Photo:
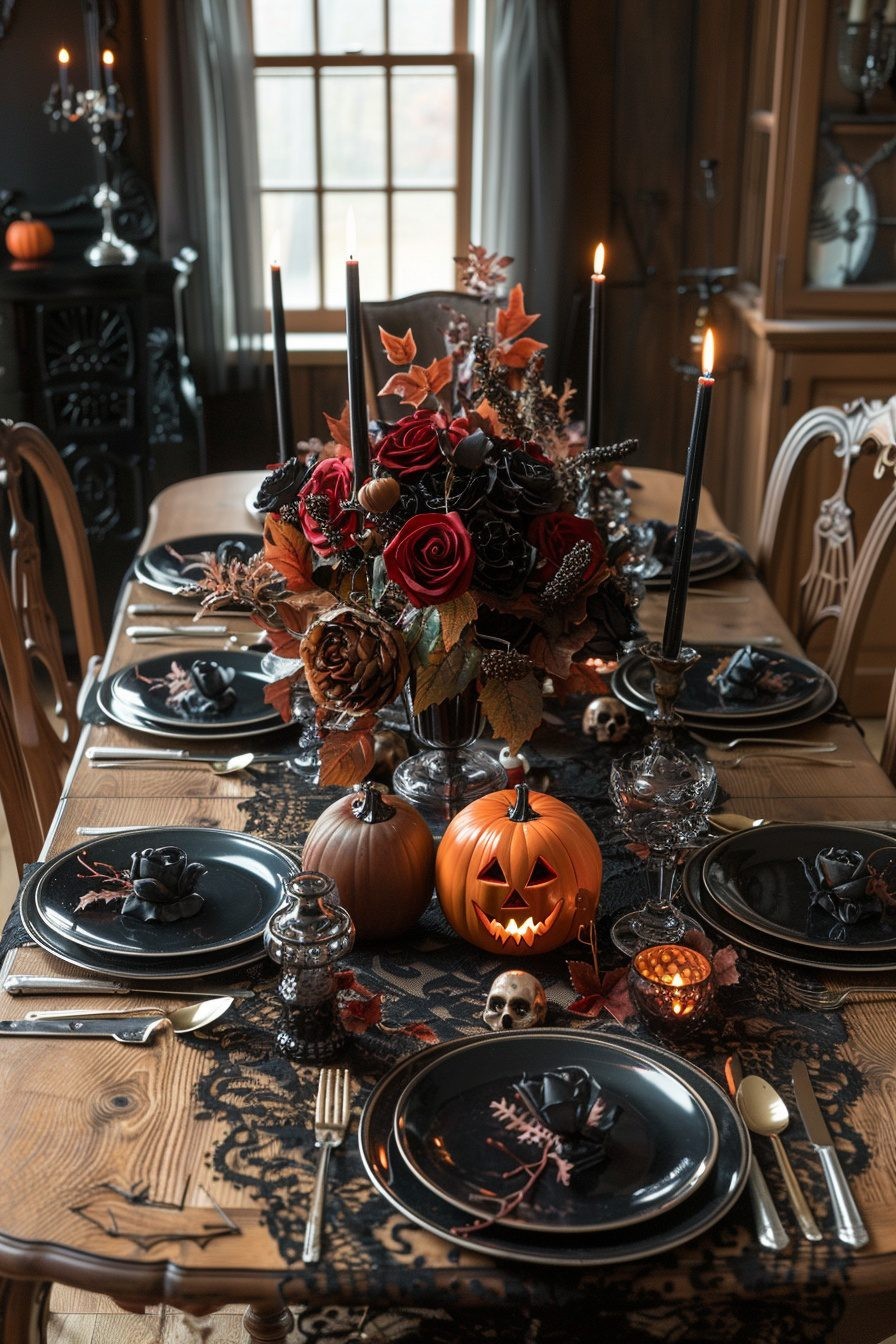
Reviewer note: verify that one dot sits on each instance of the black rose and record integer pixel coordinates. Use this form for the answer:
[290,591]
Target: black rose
[504,559]
[467,490]
[211,691]
[839,881]
[164,885]
[523,483]
[281,487]
[610,610]
[569,1103]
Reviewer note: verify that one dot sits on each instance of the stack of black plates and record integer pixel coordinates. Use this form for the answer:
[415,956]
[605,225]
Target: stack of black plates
[166,566]
[133,698]
[241,889]
[809,693]
[712,557]
[676,1156]
[756,888]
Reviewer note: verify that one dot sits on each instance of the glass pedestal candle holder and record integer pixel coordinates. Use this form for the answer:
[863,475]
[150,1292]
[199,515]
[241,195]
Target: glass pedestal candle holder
[671,987]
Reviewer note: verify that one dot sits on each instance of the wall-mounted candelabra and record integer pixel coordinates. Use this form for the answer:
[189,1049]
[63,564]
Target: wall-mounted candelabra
[104,113]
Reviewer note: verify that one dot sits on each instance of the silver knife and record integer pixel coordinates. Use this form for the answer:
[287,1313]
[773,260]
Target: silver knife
[847,1219]
[769,1228]
[135,631]
[59,984]
[129,1030]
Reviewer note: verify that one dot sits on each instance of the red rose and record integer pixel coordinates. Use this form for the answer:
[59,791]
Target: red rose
[331,479]
[431,558]
[554,534]
[412,446]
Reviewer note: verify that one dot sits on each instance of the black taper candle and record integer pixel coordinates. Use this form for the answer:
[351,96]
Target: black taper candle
[687,517]
[596,351]
[357,402]
[286,444]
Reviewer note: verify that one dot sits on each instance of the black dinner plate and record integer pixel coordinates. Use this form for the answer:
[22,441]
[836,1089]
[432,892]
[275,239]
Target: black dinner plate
[398,1184]
[164,566]
[660,1149]
[713,556]
[241,889]
[709,912]
[758,878]
[184,728]
[699,699]
[131,690]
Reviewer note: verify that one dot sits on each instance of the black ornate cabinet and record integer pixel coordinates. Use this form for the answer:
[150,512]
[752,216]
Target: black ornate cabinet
[96,358]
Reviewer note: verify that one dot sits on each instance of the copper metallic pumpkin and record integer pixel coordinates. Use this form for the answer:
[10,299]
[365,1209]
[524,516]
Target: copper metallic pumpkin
[518,872]
[381,854]
[28,239]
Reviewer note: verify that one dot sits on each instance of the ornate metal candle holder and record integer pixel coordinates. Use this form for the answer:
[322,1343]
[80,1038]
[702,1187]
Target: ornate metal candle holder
[668,674]
[306,937]
[672,988]
[105,115]
[866,55]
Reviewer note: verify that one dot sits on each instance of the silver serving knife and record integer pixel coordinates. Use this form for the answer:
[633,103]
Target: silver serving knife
[769,1228]
[847,1219]
[129,1031]
[60,984]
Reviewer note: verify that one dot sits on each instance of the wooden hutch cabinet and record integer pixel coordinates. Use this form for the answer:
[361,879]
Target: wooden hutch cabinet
[814,315]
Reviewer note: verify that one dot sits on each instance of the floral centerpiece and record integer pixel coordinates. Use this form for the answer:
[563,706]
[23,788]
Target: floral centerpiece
[458,564]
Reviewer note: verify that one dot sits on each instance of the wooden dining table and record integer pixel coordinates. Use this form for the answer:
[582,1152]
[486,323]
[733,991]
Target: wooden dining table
[110,1182]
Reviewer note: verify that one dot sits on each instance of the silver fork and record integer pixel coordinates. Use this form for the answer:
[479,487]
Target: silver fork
[748,758]
[331,1117]
[800,742]
[827,1000]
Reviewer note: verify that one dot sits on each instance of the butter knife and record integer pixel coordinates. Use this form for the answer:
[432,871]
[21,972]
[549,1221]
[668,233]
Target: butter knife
[769,1228]
[130,1031]
[847,1219]
[60,984]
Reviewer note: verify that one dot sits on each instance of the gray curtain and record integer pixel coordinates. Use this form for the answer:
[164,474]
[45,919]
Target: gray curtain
[199,63]
[524,161]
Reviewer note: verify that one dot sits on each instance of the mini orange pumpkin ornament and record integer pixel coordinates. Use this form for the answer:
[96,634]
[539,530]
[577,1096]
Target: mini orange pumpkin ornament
[29,239]
[380,853]
[518,872]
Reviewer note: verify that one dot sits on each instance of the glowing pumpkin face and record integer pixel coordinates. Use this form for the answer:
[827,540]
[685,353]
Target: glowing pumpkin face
[518,873]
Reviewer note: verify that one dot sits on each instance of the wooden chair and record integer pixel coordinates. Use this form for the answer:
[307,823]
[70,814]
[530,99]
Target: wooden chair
[25,826]
[427,314]
[888,751]
[29,632]
[842,579]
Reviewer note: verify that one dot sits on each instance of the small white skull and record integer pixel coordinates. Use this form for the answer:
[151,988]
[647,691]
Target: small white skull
[606,718]
[516,999]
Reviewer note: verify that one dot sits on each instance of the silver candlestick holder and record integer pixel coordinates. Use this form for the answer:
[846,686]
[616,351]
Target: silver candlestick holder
[105,115]
[866,54]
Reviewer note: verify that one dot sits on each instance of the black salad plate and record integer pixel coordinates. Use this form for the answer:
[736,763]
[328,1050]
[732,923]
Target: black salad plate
[759,878]
[709,1203]
[713,555]
[455,1113]
[181,728]
[136,690]
[241,889]
[700,699]
[708,911]
[164,566]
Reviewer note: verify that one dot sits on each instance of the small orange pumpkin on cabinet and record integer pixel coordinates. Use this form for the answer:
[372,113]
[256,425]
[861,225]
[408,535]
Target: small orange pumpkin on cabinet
[518,872]
[381,854]
[29,239]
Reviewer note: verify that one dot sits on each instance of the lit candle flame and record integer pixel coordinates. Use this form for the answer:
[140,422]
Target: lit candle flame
[677,981]
[108,58]
[709,352]
[64,56]
[351,233]
[599,259]
[275,250]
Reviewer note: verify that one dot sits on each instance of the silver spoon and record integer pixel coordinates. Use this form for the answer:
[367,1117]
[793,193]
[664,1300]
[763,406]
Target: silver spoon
[764,1112]
[191,1017]
[228,767]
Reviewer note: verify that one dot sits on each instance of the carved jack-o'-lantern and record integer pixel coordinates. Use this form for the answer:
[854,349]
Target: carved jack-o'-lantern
[518,872]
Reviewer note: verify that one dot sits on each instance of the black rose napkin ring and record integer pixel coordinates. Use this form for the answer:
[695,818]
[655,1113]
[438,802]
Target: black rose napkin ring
[839,882]
[746,672]
[569,1103]
[164,885]
[210,691]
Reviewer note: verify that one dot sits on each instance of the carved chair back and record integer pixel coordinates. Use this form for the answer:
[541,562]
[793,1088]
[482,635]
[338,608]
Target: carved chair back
[428,315]
[34,627]
[29,778]
[888,752]
[842,578]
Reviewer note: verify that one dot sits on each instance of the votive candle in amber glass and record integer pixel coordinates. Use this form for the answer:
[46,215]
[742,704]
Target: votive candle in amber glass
[671,987]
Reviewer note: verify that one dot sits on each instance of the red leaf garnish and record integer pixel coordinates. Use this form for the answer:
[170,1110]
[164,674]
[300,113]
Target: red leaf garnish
[419,1031]
[345,757]
[439,373]
[724,961]
[399,349]
[287,549]
[340,431]
[411,387]
[279,694]
[359,1014]
[513,320]
[599,993]
[517,355]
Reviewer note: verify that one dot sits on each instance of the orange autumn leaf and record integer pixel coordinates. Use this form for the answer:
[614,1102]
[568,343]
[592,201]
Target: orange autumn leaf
[513,320]
[411,387]
[288,550]
[345,758]
[279,694]
[283,644]
[399,349]
[517,356]
[340,431]
[439,372]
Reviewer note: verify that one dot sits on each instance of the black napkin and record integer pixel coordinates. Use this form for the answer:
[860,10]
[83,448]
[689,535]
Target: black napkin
[746,673]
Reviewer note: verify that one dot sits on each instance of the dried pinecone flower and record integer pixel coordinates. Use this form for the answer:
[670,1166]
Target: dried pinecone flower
[355,663]
[565,584]
[506,664]
[255,584]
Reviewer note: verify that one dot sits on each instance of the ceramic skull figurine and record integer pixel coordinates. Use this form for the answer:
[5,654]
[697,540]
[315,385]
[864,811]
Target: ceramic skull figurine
[516,999]
[605,719]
